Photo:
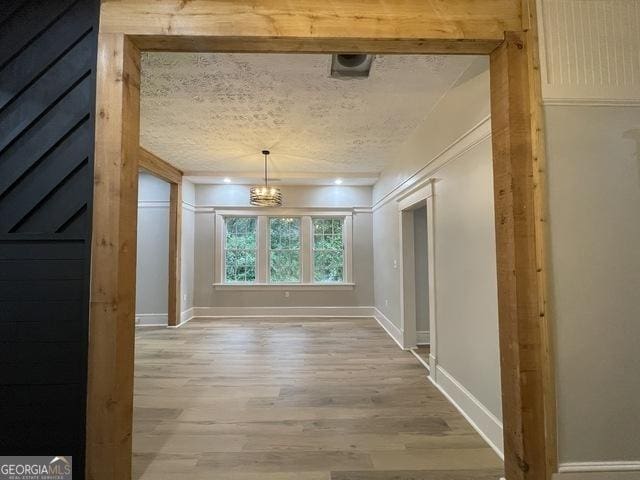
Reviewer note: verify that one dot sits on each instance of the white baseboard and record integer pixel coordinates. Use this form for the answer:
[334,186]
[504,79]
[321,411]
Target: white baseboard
[151,319]
[185,317]
[424,363]
[393,331]
[423,338]
[270,312]
[481,419]
[598,471]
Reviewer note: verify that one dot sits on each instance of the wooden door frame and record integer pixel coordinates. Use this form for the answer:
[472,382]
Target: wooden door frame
[170,174]
[503,29]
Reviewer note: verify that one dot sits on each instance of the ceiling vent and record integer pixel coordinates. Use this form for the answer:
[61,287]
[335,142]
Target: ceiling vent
[351,65]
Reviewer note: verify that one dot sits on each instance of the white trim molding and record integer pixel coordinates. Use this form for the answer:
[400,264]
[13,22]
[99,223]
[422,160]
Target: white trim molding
[251,211]
[598,467]
[424,363]
[153,204]
[161,319]
[306,217]
[284,286]
[189,207]
[417,196]
[591,102]
[388,326]
[473,137]
[151,319]
[422,337]
[286,312]
[481,419]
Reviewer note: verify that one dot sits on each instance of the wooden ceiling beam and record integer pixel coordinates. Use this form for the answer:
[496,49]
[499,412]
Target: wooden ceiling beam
[158,167]
[378,26]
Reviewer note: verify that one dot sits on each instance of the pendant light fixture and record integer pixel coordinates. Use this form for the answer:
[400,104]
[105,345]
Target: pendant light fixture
[266,196]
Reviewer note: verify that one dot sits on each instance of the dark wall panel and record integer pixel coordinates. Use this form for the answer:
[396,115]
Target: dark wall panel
[47,101]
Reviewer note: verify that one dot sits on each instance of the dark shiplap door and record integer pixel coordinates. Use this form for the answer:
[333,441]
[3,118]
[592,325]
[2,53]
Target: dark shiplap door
[47,85]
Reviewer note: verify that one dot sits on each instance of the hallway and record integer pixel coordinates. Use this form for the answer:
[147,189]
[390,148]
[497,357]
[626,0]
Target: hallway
[289,398]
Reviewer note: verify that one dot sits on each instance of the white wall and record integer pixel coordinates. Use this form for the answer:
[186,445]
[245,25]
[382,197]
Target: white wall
[452,147]
[153,250]
[421,271]
[591,89]
[209,197]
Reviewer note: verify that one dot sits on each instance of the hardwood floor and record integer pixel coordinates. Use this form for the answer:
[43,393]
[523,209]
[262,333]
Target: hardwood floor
[423,351]
[294,399]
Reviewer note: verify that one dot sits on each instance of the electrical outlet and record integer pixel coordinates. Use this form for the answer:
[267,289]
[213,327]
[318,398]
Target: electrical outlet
[386,303]
[184,297]
[286,294]
[395,263]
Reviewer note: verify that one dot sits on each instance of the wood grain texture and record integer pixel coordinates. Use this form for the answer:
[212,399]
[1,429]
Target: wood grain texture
[541,228]
[175,254]
[270,20]
[158,167]
[113,280]
[520,311]
[294,399]
[173,43]
[433,26]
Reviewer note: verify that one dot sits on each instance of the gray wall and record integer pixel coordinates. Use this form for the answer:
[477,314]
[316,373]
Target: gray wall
[294,196]
[188,244]
[465,267]
[153,246]
[465,105]
[466,278]
[594,202]
[590,69]
[152,269]
[421,268]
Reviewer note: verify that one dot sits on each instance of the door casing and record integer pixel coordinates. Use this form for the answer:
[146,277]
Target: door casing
[503,29]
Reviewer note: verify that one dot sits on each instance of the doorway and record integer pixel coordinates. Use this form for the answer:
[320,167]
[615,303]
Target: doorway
[415,216]
[411,27]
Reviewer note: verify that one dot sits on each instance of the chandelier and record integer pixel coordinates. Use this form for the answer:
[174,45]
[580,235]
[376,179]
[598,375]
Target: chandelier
[265,196]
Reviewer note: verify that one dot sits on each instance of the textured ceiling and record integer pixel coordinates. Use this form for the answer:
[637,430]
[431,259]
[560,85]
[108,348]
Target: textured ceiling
[215,112]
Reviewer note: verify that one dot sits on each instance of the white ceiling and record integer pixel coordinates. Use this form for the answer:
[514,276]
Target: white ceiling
[212,114]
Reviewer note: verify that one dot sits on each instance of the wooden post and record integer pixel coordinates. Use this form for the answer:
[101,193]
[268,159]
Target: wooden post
[412,26]
[175,253]
[520,312]
[113,262]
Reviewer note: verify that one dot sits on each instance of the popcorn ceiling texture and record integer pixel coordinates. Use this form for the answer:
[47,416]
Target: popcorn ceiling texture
[215,112]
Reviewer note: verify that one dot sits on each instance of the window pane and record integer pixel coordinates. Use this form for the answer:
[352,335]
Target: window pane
[284,253]
[328,250]
[240,249]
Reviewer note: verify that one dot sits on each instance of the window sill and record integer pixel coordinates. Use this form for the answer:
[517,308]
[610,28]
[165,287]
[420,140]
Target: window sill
[284,286]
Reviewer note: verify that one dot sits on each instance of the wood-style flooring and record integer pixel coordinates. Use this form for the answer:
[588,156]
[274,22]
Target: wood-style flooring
[294,399]
[423,351]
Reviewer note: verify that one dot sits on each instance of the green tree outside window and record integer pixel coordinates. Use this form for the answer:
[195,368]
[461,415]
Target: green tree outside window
[284,250]
[240,249]
[328,250]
